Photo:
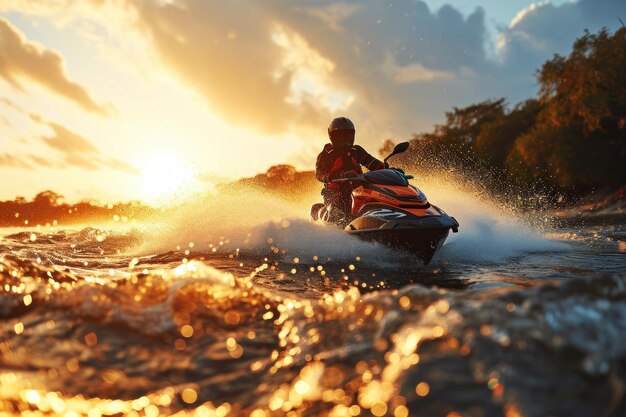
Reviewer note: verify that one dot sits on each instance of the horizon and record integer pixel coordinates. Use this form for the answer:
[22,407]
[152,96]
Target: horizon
[156,204]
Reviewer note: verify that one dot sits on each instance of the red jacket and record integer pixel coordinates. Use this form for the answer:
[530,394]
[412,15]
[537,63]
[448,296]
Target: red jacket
[333,163]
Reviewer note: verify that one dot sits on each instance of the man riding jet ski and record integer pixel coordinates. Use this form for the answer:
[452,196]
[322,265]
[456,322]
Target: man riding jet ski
[341,158]
[379,205]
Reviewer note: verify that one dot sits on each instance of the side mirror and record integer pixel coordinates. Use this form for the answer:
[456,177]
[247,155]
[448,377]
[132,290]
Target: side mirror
[399,148]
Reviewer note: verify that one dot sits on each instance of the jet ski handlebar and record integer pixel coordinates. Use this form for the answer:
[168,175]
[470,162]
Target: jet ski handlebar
[361,178]
[351,179]
[399,148]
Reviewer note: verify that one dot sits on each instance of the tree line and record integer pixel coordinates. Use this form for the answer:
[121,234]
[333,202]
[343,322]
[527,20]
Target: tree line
[50,208]
[572,137]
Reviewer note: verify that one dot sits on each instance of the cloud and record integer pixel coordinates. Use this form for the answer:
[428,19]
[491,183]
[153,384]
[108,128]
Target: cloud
[282,64]
[395,67]
[82,161]
[42,162]
[227,54]
[13,161]
[332,15]
[289,66]
[309,74]
[119,165]
[412,73]
[78,150]
[64,139]
[398,60]
[542,29]
[22,59]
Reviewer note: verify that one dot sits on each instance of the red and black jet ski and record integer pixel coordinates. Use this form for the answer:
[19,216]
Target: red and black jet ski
[389,210]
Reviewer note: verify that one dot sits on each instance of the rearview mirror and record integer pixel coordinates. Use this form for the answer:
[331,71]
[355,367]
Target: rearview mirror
[399,148]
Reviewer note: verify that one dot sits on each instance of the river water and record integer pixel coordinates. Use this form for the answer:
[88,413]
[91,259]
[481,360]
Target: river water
[216,311]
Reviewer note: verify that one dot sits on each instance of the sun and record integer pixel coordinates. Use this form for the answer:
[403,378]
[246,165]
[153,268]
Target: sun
[164,177]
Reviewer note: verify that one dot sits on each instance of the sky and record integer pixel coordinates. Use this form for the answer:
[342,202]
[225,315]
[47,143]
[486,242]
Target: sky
[153,99]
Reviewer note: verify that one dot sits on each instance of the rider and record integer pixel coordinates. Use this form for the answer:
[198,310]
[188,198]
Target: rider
[341,158]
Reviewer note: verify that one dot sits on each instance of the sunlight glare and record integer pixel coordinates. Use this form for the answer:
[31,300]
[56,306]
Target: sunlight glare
[163,177]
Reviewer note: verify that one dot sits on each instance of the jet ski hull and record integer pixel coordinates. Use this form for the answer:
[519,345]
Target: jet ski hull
[418,236]
[423,244]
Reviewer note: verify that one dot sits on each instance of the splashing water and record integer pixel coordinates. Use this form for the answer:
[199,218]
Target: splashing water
[251,220]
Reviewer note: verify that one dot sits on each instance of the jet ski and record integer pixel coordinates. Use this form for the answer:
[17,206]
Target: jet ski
[389,210]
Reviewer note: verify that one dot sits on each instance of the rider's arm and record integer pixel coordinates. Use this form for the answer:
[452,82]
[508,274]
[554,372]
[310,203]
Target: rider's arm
[367,160]
[323,164]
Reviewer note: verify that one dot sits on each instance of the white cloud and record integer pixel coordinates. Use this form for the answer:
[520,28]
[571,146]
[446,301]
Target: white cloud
[412,73]
[23,60]
[526,11]
[310,74]
[333,14]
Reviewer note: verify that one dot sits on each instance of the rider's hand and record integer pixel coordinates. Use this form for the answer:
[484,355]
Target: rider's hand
[334,176]
[397,169]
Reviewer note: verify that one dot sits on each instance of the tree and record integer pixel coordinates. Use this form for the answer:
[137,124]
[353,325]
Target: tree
[588,87]
[453,143]
[496,138]
[579,137]
[573,136]
[49,198]
[281,173]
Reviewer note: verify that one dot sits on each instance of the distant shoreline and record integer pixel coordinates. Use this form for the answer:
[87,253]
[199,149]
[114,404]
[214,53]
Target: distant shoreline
[48,208]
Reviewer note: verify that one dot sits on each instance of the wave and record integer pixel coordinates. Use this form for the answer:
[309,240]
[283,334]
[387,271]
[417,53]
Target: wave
[251,221]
